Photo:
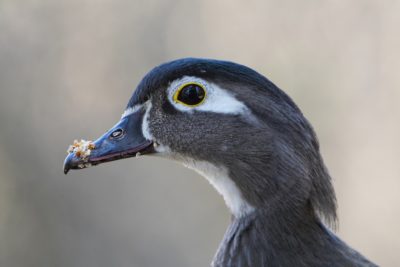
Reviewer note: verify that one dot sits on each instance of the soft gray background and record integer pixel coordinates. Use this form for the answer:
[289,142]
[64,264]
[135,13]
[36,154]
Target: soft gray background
[67,69]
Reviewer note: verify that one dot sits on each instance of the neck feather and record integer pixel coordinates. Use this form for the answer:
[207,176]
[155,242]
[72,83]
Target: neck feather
[283,238]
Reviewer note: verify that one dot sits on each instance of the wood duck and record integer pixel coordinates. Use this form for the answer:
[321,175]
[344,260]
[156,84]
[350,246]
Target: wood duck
[252,143]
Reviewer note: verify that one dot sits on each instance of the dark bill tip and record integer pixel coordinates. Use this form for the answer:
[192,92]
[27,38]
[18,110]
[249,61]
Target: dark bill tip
[74,162]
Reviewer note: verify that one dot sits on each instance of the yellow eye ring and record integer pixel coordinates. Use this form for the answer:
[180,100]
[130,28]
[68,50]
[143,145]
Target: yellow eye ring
[190,94]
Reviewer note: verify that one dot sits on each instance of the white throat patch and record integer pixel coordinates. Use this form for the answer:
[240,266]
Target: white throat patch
[218,177]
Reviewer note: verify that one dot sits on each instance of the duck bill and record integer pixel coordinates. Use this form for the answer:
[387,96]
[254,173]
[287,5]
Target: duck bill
[124,140]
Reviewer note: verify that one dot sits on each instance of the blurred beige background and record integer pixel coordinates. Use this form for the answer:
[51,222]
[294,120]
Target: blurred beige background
[68,68]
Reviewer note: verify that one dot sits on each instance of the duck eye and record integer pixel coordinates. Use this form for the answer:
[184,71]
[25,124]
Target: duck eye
[191,94]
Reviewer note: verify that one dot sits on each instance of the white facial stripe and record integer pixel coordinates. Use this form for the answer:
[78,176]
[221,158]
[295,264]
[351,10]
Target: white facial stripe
[217,100]
[161,150]
[145,124]
[131,110]
[218,177]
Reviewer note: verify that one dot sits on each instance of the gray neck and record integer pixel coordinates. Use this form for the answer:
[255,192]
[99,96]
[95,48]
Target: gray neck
[283,238]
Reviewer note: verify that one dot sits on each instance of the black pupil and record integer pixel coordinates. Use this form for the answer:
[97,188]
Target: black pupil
[191,94]
[117,133]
